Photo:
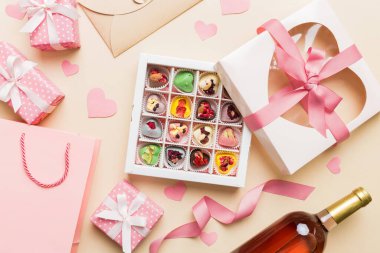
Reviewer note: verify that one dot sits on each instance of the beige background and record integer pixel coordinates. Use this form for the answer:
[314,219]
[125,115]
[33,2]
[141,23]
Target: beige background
[360,158]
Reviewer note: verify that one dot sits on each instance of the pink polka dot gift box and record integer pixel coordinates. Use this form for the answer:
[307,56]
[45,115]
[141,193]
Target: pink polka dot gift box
[127,216]
[52,24]
[24,87]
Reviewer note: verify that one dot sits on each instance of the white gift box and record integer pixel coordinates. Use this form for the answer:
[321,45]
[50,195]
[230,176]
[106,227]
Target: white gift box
[161,169]
[245,74]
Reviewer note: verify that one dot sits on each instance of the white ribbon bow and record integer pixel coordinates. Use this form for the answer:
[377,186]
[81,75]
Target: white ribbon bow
[10,89]
[38,12]
[124,214]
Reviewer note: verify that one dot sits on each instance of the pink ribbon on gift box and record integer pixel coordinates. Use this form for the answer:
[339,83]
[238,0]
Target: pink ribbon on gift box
[306,88]
[11,89]
[39,12]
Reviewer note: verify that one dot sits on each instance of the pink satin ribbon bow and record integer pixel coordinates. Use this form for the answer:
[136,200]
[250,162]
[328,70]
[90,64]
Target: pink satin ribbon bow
[305,75]
[207,208]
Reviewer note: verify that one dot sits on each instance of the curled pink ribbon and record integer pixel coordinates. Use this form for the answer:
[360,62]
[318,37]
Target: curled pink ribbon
[207,208]
[305,75]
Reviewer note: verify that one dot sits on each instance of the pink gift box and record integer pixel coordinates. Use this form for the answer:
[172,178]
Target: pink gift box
[148,209]
[36,82]
[66,28]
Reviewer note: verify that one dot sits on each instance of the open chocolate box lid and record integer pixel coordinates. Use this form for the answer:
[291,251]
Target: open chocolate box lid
[185,125]
[251,75]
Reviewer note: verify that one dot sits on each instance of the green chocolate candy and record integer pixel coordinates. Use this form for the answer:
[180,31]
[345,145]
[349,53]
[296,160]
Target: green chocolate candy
[184,81]
[149,154]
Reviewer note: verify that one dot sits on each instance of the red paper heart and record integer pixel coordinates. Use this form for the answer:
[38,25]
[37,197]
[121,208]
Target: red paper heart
[13,11]
[69,68]
[205,31]
[209,238]
[175,192]
[98,106]
[234,6]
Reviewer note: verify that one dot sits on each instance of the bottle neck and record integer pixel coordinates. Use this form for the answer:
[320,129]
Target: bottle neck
[343,208]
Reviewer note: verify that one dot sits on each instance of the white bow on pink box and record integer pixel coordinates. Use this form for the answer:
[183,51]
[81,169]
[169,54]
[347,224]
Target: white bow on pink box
[11,88]
[125,216]
[56,13]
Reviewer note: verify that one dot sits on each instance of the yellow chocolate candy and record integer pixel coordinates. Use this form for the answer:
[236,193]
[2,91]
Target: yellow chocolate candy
[225,162]
[181,107]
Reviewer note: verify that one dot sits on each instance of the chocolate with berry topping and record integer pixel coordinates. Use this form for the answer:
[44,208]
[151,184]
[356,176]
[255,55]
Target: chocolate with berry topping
[175,156]
[209,84]
[199,158]
[177,131]
[230,113]
[225,161]
[203,135]
[151,128]
[205,111]
[157,77]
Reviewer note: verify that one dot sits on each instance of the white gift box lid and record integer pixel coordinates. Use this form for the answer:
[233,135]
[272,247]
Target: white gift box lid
[245,72]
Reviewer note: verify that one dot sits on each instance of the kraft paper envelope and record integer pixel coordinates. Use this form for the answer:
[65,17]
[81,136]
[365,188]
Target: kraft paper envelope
[35,219]
[123,23]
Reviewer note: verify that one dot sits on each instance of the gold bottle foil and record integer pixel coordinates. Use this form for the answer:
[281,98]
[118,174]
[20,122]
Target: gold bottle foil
[343,208]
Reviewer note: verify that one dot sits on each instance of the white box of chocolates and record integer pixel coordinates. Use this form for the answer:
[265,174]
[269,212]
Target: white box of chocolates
[185,125]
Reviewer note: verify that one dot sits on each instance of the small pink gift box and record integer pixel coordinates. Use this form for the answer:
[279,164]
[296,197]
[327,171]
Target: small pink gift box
[126,215]
[52,24]
[25,88]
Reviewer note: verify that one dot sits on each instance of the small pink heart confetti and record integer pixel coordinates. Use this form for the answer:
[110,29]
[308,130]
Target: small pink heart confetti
[69,68]
[334,165]
[98,106]
[234,6]
[209,238]
[175,192]
[13,11]
[205,31]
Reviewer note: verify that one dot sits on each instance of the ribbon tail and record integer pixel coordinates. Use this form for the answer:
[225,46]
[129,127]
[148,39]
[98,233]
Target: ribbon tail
[189,230]
[282,38]
[274,109]
[15,97]
[341,61]
[126,233]
[331,99]
[337,127]
[224,215]
[316,112]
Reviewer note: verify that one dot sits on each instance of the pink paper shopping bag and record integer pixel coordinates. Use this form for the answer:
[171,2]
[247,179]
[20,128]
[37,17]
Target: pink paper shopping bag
[37,217]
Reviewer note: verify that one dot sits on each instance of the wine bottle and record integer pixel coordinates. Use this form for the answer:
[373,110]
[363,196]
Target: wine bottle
[301,232]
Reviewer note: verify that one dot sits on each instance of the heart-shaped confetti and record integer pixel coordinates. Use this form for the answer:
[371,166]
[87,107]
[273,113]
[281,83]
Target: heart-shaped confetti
[209,238]
[334,165]
[205,31]
[234,6]
[98,106]
[13,11]
[175,192]
[69,68]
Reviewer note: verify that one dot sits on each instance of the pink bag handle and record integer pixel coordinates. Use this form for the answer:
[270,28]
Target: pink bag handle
[29,174]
